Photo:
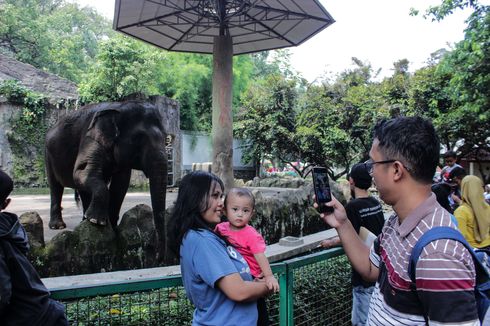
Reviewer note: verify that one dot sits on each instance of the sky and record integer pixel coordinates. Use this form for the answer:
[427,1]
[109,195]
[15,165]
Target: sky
[379,32]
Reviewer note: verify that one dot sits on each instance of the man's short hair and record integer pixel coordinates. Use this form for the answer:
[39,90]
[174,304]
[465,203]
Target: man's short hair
[457,172]
[360,176]
[412,141]
[450,154]
[6,186]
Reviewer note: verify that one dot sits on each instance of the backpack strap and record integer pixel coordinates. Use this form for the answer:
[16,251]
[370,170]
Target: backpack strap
[442,232]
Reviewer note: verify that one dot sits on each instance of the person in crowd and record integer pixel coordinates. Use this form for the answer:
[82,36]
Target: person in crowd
[239,210]
[403,158]
[473,215]
[24,300]
[455,178]
[450,159]
[362,211]
[216,277]
[487,193]
[443,192]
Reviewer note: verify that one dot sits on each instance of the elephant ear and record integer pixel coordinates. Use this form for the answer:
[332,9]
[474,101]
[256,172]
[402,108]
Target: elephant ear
[103,127]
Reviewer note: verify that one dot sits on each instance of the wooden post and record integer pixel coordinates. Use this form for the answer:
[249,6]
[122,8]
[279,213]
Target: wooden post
[222,129]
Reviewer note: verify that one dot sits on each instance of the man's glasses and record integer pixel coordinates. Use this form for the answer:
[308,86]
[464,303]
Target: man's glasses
[369,164]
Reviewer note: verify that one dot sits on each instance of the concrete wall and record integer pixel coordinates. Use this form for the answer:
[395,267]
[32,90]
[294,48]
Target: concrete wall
[197,148]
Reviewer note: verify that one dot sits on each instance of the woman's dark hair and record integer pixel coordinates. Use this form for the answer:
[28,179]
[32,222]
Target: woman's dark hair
[191,202]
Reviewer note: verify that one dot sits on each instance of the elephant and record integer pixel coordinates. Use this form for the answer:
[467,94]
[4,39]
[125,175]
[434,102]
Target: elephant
[93,150]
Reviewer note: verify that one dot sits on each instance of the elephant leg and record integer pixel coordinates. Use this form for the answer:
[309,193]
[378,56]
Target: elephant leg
[55,219]
[117,189]
[85,198]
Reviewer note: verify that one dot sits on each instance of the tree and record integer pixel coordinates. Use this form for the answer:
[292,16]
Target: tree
[396,88]
[51,35]
[267,120]
[467,69]
[335,120]
[123,67]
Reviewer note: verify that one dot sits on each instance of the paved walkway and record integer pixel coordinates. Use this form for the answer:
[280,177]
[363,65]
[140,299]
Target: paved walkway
[72,215]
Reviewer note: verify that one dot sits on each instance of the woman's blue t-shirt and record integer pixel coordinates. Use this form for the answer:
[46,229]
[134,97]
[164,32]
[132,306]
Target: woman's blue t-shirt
[204,259]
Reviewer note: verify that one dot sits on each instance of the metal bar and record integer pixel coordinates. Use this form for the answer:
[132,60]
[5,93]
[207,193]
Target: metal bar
[288,12]
[111,288]
[283,297]
[314,258]
[290,296]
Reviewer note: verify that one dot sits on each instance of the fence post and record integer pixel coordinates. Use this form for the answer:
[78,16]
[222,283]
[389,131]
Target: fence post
[283,298]
[290,297]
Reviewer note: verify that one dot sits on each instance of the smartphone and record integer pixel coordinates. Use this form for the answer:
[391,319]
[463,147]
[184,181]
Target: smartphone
[322,189]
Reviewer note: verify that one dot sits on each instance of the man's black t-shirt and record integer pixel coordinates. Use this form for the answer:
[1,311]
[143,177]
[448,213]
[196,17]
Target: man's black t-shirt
[366,212]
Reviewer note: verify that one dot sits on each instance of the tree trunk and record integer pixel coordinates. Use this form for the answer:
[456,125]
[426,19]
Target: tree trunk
[222,129]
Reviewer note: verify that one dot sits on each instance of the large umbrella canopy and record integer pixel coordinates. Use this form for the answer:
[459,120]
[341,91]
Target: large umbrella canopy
[191,25]
[224,28]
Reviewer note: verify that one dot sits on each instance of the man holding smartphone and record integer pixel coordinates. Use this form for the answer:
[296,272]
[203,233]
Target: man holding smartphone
[365,211]
[403,159]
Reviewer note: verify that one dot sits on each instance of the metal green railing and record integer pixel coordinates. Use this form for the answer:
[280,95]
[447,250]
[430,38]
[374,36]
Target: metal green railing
[315,290]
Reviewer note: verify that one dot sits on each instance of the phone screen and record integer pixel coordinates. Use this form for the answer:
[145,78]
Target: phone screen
[322,189]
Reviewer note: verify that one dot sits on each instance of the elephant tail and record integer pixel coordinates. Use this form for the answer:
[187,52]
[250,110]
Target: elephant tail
[77,198]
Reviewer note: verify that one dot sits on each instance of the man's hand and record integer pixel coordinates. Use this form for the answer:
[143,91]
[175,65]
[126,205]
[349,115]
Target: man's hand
[329,243]
[338,217]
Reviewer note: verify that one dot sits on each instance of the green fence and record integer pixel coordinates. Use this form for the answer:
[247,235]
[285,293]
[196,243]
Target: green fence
[315,290]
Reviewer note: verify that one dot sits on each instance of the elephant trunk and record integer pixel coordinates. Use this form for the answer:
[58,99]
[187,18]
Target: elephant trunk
[158,190]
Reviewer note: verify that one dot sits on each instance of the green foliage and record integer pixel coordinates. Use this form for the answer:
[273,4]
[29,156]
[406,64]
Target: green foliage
[28,132]
[323,292]
[335,119]
[267,120]
[456,91]
[160,307]
[52,35]
[123,67]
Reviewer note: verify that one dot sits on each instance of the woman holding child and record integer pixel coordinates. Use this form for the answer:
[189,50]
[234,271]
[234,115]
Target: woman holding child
[216,277]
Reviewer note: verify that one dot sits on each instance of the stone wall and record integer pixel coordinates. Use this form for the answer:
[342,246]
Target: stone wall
[6,112]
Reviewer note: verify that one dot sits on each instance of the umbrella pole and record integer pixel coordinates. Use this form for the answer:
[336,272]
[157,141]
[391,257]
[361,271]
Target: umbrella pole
[222,129]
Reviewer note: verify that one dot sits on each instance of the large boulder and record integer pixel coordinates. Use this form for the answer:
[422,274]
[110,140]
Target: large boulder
[136,238]
[33,224]
[87,249]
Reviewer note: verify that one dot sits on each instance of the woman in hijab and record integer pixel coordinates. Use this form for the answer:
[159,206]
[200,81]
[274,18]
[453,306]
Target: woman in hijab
[473,215]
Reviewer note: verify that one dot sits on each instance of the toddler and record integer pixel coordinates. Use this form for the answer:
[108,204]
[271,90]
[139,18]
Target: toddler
[239,210]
